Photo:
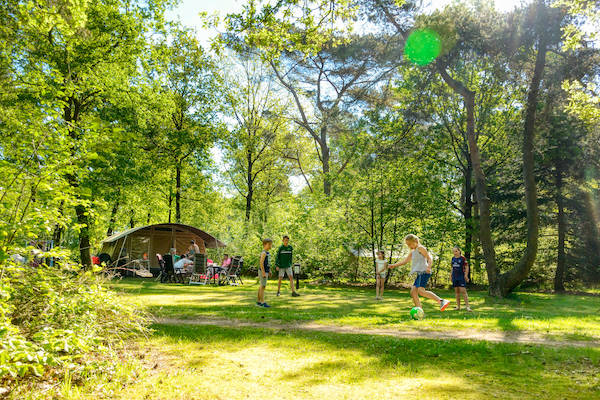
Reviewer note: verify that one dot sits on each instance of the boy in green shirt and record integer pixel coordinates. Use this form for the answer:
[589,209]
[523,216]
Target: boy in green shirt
[283,264]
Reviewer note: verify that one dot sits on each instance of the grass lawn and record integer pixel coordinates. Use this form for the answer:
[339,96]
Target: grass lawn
[195,362]
[225,363]
[210,362]
[558,317]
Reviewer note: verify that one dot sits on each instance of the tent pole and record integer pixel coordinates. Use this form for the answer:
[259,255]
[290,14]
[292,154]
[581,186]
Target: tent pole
[121,251]
[173,244]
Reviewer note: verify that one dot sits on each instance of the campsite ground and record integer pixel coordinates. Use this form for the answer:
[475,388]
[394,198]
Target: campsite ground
[554,317]
[267,353]
[253,361]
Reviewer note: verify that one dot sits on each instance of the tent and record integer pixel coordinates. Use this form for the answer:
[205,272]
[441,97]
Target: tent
[144,242]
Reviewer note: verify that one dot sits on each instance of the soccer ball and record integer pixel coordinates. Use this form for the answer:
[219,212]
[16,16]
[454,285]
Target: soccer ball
[417,313]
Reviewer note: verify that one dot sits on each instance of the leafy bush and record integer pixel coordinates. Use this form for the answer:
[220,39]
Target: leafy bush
[58,319]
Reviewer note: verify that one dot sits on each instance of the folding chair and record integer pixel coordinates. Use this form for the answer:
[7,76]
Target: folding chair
[162,274]
[200,275]
[234,275]
[170,270]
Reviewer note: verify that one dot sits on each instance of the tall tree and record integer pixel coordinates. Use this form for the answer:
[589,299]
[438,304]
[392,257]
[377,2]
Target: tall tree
[190,86]
[80,56]
[539,34]
[252,100]
[325,70]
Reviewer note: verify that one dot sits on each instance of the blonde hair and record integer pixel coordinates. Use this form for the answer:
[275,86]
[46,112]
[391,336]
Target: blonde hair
[411,238]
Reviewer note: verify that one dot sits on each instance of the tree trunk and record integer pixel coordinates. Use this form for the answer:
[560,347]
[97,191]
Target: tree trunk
[373,233]
[170,201]
[57,234]
[485,230]
[475,256]
[325,157]
[131,219]
[71,115]
[468,213]
[249,204]
[250,188]
[511,279]
[84,236]
[178,193]
[559,276]
[394,238]
[113,217]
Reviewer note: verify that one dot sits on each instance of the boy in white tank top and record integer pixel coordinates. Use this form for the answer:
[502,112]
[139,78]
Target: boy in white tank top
[421,265]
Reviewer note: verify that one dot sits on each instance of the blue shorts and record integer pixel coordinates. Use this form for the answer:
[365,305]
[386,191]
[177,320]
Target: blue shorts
[422,279]
[458,281]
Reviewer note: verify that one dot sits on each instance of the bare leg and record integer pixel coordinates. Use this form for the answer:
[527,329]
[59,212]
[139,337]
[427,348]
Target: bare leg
[292,283]
[428,294]
[279,285]
[381,287]
[414,293]
[378,282]
[261,294]
[464,293]
[457,292]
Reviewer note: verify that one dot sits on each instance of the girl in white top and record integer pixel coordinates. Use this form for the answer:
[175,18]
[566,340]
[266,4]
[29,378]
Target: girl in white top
[421,265]
[380,274]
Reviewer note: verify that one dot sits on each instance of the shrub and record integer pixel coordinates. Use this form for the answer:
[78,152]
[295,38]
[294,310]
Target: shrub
[58,319]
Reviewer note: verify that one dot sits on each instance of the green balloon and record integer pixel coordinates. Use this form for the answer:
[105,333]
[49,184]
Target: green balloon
[423,46]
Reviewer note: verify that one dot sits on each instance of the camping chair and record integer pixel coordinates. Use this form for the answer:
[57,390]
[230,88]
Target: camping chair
[169,269]
[234,272]
[166,266]
[200,274]
[204,278]
[162,276]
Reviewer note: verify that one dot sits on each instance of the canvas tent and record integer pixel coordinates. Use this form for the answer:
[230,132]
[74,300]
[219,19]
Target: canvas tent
[150,240]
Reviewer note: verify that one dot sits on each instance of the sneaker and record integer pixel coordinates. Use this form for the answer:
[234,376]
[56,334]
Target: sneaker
[259,304]
[278,294]
[444,304]
[265,305]
[456,308]
[469,309]
[295,294]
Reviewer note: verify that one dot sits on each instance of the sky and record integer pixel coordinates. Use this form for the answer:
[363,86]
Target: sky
[187,12]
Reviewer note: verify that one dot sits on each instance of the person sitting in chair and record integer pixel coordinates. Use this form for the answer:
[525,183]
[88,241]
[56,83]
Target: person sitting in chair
[182,264]
[226,262]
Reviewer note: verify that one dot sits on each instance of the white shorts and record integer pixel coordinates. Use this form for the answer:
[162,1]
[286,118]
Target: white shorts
[288,271]
[381,274]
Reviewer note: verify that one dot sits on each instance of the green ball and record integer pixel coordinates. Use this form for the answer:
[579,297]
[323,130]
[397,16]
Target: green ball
[417,313]
[422,46]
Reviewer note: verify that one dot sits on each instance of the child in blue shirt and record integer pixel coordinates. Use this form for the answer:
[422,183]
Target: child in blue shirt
[460,277]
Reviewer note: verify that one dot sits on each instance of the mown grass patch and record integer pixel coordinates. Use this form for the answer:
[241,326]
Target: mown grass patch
[211,362]
[556,316]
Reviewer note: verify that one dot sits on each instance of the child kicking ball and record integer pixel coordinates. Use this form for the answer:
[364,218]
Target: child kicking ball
[421,265]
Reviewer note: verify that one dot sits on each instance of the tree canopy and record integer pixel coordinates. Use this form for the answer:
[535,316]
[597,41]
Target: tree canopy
[344,124]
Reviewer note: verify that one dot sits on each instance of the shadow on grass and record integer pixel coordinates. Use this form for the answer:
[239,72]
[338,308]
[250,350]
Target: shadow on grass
[504,370]
[355,306]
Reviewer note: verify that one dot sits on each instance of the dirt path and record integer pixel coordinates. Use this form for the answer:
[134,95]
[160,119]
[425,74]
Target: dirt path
[521,337]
